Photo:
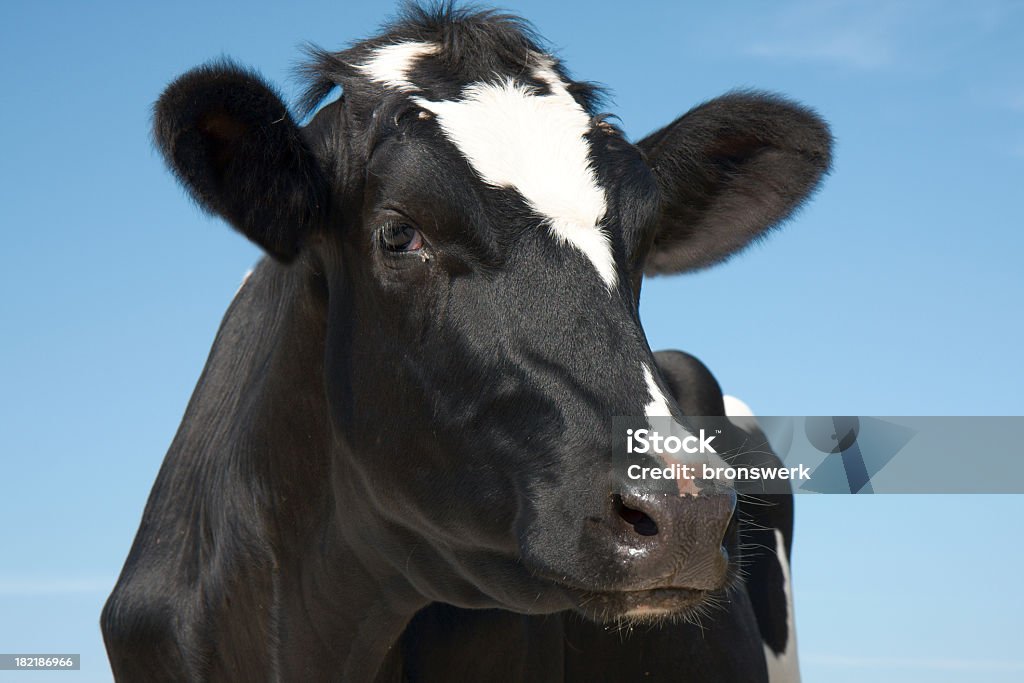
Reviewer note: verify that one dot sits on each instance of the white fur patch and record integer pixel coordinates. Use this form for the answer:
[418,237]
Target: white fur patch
[390,64]
[734,407]
[784,668]
[658,406]
[740,414]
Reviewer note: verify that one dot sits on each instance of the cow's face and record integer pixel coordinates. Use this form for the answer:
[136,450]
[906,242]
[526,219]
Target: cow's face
[481,236]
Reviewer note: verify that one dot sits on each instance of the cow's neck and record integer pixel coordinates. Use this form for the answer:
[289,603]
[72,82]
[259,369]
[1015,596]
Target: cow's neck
[284,570]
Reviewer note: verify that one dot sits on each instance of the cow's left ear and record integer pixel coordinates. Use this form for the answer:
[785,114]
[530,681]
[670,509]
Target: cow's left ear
[729,170]
[231,141]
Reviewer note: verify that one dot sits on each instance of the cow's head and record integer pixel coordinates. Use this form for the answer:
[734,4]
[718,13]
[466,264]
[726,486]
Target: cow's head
[479,234]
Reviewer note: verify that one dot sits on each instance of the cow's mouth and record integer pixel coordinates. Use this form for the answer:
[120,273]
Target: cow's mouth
[638,605]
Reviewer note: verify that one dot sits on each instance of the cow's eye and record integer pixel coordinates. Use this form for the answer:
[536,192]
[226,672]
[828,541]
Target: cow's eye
[400,237]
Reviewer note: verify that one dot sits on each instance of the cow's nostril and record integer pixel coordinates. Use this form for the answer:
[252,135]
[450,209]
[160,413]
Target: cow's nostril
[641,523]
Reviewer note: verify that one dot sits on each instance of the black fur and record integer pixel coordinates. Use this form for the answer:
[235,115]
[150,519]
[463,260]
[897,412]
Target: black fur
[231,141]
[730,170]
[473,42]
[390,455]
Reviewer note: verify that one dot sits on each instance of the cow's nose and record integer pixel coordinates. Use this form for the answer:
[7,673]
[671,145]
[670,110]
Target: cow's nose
[675,539]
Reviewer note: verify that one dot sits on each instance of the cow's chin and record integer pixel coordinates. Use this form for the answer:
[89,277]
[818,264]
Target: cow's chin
[641,606]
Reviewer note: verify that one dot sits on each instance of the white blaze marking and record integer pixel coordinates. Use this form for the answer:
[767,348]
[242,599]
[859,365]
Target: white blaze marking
[535,144]
[390,65]
[514,137]
[784,668]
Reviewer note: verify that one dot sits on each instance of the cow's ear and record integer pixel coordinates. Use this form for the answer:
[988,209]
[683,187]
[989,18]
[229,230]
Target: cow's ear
[729,170]
[231,141]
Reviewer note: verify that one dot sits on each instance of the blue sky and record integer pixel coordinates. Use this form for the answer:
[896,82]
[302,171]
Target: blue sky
[896,292]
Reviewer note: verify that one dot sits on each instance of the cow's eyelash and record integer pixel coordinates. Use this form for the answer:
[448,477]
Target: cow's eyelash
[397,235]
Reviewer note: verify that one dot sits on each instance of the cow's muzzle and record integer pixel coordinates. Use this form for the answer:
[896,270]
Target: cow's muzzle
[670,551]
[669,540]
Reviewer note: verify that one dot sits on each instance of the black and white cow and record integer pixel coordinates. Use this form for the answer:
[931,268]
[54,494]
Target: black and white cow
[394,465]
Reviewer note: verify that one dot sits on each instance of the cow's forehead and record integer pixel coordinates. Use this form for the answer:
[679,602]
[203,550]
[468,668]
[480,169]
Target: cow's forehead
[517,136]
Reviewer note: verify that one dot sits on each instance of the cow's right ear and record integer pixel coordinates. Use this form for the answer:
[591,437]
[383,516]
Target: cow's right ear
[231,141]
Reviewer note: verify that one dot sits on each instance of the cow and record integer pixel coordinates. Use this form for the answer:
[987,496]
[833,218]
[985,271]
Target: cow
[394,465]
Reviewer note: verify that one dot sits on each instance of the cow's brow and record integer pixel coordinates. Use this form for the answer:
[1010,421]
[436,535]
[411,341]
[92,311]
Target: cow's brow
[515,137]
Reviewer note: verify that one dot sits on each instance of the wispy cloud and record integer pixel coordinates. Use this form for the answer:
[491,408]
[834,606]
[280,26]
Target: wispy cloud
[855,35]
[850,50]
[914,663]
[829,32]
[32,587]
[868,35]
